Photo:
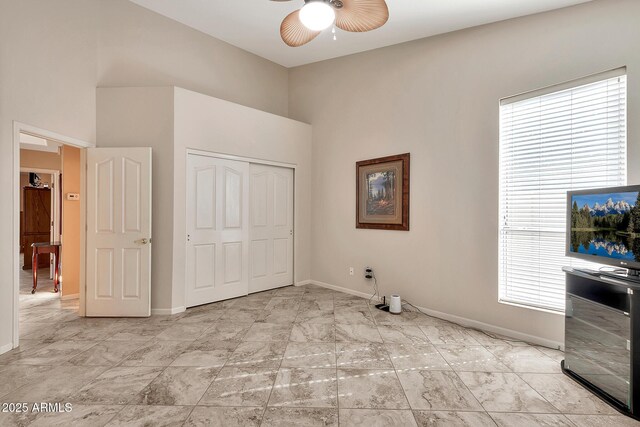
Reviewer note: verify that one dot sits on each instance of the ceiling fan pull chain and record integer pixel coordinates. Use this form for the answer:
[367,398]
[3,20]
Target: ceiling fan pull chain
[333,31]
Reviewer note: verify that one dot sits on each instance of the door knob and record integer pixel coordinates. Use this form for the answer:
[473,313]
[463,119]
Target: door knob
[143,241]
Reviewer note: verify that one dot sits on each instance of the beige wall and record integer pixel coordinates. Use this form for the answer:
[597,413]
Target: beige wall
[70,222]
[49,75]
[214,125]
[37,160]
[170,120]
[143,117]
[40,160]
[139,48]
[438,99]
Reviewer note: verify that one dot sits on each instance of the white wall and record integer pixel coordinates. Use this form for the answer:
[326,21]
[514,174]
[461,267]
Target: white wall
[143,117]
[137,47]
[170,120]
[53,55]
[47,79]
[438,99]
[210,124]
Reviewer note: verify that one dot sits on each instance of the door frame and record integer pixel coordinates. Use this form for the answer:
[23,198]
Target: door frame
[249,160]
[18,128]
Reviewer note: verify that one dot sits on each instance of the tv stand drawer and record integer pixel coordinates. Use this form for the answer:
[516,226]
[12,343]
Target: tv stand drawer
[605,293]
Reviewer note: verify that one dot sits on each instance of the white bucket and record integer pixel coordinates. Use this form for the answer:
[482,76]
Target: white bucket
[395,306]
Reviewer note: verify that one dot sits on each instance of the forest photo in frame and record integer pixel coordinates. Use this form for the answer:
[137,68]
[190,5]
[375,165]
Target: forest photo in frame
[382,193]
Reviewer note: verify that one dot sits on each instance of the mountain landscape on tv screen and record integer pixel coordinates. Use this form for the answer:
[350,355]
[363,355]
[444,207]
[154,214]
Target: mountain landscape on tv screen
[610,208]
[606,225]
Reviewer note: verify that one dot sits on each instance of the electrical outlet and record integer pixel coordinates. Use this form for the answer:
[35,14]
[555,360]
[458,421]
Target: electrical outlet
[351,271]
[368,273]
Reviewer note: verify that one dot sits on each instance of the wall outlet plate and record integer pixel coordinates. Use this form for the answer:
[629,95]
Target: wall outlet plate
[368,273]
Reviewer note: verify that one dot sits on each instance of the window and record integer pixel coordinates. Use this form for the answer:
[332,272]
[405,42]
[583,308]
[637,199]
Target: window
[567,137]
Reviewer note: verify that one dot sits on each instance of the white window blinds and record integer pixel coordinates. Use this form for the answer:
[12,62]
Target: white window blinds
[565,138]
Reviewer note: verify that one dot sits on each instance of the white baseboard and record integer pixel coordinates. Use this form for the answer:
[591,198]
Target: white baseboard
[533,339]
[68,297]
[340,289]
[303,282]
[167,311]
[462,320]
[6,347]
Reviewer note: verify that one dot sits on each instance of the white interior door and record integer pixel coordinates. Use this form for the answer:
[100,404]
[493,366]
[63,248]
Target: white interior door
[271,216]
[217,229]
[118,265]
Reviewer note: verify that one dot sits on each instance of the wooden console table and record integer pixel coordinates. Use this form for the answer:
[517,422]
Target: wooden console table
[46,248]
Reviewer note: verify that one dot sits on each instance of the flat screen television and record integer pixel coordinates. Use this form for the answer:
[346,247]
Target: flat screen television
[603,226]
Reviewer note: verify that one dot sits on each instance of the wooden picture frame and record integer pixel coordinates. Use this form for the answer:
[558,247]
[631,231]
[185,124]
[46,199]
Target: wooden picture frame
[382,193]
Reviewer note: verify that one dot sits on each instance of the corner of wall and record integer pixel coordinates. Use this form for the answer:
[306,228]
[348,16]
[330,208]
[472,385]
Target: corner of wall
[143,117]
[6,347]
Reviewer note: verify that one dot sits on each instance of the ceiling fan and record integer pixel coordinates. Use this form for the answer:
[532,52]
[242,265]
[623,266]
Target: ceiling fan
[304,25]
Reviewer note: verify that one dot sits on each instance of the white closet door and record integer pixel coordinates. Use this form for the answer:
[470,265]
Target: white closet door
[217,229]
[271,217]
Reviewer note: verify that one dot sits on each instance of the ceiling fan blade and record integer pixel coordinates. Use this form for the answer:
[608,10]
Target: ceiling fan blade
[361,15]
[295,34]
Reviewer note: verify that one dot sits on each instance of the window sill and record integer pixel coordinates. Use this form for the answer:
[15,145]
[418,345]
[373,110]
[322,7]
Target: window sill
[531,307]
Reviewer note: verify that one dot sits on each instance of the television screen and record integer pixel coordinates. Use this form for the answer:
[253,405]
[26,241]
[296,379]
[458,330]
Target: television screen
[605,223]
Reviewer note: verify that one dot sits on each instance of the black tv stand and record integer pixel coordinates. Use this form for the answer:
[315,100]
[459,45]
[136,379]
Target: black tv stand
[602,336]
[630,275]
[612,401]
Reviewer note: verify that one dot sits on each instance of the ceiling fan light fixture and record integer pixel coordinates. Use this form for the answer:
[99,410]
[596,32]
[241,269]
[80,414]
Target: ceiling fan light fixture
[317,15]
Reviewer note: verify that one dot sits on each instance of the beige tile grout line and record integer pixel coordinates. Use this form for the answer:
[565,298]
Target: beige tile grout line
[266,405]
[396,371]
[164,368]
[212,381]
[544,398]
[462,381]
[222,367]
[510,371]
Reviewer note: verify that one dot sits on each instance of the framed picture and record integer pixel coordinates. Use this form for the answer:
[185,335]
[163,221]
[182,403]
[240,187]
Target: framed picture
[382,193]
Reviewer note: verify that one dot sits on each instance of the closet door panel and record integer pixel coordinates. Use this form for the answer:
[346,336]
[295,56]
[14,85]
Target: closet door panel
[271,228]
[217,260]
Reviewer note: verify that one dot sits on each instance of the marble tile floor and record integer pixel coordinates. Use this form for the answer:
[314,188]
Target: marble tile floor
[295,356]
[44,298]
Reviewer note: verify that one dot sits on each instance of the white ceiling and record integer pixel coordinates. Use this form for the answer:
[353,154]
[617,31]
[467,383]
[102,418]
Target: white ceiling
[254,25]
